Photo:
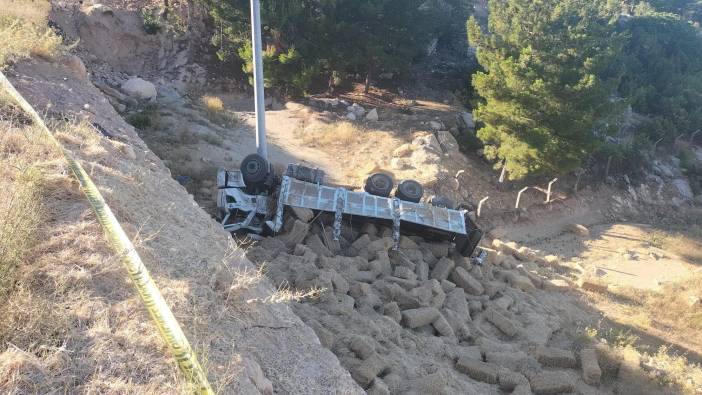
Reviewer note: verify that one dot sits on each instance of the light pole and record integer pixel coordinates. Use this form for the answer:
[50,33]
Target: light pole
[260,103]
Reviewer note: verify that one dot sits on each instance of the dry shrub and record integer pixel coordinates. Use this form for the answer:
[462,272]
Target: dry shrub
[212,103]
[24,31]
[324,135]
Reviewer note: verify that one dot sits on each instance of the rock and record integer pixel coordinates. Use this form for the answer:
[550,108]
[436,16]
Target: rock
[682,185]
[463,279]
[456,301]
[509,380]
[556,285]
[442,327]
[415,318]
[478,370]
[405,272]
[362,346]
[577,229]
[512,360]
[351,116]
[304,214]
[504,302]
[297,234]
[254,373]
[400,163]
[551,382]
[315,244]
[372,115]
[364,372]
[522,389]
[442,269]
[520,282]
[76,65]
[139,88]
[435,125]
[422,271]
[392,310]
[403,151]
[466,120]
[556,358]
[591,367]
[504,324]
[339,283]
[357,110]
[447,286]
[447,142]
[378,388]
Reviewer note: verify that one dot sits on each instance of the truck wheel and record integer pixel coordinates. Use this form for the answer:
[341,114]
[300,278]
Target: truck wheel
[254,169]
[441,201]
[409,190]
[378,184]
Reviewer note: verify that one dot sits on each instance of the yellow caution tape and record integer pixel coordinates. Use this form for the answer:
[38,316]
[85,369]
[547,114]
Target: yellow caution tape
[161,314]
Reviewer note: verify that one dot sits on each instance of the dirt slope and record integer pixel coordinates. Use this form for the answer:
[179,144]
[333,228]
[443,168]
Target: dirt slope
[184,248]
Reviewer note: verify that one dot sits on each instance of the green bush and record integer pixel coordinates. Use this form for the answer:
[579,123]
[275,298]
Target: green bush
[151,23]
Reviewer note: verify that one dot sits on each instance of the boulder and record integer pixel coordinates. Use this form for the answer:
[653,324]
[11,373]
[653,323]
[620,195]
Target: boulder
[372,115]
[478,370]
[414,318]
[504,324]
[555,357]
[139,88]
[446,140]
[591,367]
[577,229]
[463,279]
[682,185]
[435,125]
[552,382]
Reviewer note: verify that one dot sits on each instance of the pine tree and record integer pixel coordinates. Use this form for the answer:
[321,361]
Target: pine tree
[546,84]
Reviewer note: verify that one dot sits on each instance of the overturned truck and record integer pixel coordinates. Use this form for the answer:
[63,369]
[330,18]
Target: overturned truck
[253,200]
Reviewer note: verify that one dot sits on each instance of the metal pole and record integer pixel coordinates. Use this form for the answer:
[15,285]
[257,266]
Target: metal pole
[260,104]
[480,205]
[548,192]
[519,196]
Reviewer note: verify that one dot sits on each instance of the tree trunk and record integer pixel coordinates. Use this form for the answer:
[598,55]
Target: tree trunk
[369,71]
[165,10]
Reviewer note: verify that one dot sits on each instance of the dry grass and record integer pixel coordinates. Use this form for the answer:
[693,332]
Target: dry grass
[70,321]
[24,31]
[20,200]
[325,135]
[212,103]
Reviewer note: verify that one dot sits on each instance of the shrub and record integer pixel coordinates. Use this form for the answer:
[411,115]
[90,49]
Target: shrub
[151,23]
[212,103]
[24,31]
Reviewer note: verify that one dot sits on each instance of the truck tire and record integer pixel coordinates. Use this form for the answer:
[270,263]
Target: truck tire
[409,191]
[379,184]
[254,169]
[441,201]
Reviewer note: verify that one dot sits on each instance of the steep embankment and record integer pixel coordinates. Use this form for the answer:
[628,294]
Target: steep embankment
[224,306]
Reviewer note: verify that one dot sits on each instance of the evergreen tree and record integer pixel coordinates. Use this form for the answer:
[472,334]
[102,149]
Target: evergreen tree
[546,83]
[308,40]
[663,71]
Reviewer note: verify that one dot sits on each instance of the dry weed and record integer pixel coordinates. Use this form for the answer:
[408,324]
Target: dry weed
[324,135]
[24,31]
[21,208]
[212,103]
